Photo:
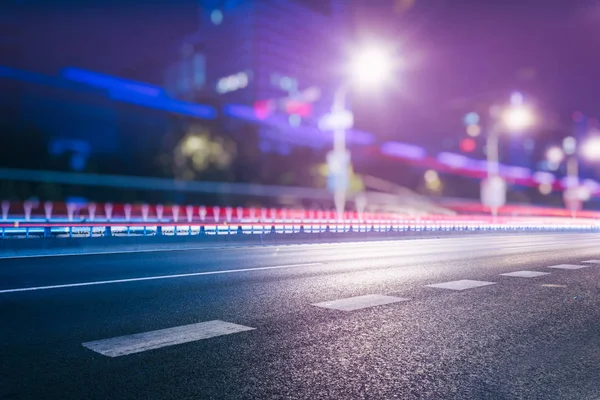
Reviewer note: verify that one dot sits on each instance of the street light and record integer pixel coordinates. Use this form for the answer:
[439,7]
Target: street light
[518,117]
[513,119]
[369,67]
[574,194]
[590,149]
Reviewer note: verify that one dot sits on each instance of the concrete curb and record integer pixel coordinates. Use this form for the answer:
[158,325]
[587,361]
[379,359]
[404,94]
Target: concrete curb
[15,248]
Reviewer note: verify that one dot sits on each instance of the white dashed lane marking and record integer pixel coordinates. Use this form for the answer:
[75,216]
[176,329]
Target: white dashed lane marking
[526,274]
[591,262]
[360,302]
[568,266]
[123,345]
[461,285]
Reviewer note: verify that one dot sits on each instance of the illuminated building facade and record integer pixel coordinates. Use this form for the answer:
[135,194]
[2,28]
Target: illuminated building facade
[251,51]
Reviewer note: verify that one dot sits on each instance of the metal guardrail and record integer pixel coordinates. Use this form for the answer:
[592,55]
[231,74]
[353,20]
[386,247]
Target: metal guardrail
[46,219]
[33,229]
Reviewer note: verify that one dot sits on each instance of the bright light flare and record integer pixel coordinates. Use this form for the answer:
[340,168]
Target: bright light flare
[516,118]
[590,149]
[371,66]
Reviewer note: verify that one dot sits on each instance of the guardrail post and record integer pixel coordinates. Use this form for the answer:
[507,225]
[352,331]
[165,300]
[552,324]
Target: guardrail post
[202,230]
[91,231]
[3,232]
[239,230]
[27,233]
[107,231]
[47,231]
[144,231]
[70,232]
[301,228]
[159,230]
[175,230]
[128,230]
[327,229]
[189,230]
[273,229]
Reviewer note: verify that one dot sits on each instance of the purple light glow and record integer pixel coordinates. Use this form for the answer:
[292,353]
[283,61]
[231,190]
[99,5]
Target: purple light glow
[543,177]
[403,150]
[453,160]
[111,83]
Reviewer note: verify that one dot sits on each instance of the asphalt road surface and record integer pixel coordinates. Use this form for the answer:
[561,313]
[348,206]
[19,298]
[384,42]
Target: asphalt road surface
[379,320]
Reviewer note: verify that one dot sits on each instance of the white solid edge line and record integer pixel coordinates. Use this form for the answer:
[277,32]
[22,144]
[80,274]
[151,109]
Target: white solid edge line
[150,278]
[366,243]
[100,253]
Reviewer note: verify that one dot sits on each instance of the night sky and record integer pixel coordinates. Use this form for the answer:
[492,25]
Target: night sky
[467,53]
[459,54]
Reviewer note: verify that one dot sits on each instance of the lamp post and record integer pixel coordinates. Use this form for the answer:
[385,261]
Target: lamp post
[368,68]
[513,119]
[574,194]
[339,159]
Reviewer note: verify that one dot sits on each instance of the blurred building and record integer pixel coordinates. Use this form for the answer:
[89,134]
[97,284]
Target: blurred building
[276,56]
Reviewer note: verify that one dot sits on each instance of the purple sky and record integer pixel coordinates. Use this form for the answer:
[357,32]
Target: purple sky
[469,52]
[462,54]
[116,39]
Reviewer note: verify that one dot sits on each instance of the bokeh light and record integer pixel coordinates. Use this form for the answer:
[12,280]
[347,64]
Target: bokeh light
[471,118]
[197,151]
[467,145]
[569,145]
[431,176]
[584,193]
[555,155]
[473,130]
[590,149]
[432,181]
[545,188]
[216,17]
